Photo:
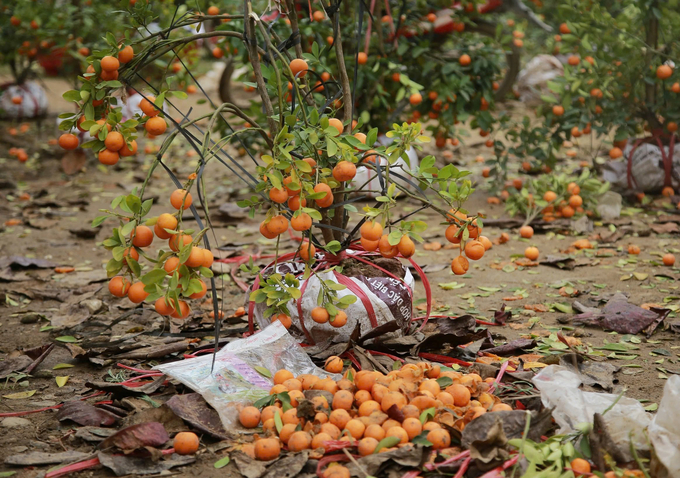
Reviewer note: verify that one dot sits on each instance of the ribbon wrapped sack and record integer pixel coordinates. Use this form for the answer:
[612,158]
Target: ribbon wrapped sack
[24,101]
[383,287]
[648,165]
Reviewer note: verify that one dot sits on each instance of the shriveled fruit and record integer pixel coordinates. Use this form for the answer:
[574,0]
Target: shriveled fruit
[386,249]
[460,265]
[249,417]
[185,443]
[474,250]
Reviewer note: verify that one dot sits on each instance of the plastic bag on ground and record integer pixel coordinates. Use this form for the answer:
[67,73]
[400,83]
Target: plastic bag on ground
[572,406]
[388,299]
[235,381]
[647,169]
[664,431]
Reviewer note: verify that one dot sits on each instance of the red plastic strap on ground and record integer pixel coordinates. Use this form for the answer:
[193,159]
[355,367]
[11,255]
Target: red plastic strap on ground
[443,359]
[428,292]
[68,469]
[393,357]
[359,292]
[53,407]
[300,315]
[353,359]
[667,160]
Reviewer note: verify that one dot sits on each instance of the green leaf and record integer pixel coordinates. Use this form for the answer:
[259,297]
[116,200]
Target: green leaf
[278,422]
[221,463]
[394,237]
[62,365]
[182,96]
[444,382]
[451,285]
[4,474]
[263,371]
[72,95]
[388,442]
[154,276]
[98,220]
[427,414]
[61,381]
[70,339]
[422,439]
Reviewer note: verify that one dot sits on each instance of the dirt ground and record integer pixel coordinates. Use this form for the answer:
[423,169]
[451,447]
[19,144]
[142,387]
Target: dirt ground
[56,209]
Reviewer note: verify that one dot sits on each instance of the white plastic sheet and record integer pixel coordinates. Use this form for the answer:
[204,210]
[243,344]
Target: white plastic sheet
[664,431]
[235,381]
[572,406]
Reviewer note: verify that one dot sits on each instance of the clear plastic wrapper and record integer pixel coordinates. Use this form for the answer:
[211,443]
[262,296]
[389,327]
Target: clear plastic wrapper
[236,381]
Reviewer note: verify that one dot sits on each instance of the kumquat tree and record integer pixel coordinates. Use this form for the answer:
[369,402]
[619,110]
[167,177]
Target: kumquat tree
[339,239]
